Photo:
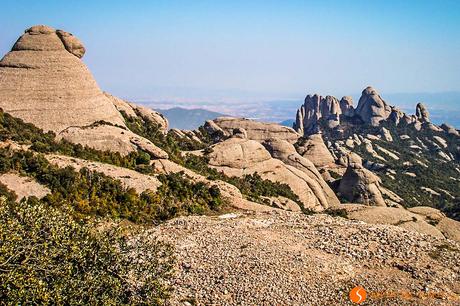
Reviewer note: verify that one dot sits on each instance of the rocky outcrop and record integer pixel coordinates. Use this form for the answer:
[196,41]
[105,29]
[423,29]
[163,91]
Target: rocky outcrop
[229,192]
[105,137]
[359,185]
[422,219]
[316,151]
[422,113]
[315,108]
[450,129]
[44,83]
[137,111]
[372,108]
[284,151]
[23,186]
[128,178]
[237,157]
[346,106]
[258,131]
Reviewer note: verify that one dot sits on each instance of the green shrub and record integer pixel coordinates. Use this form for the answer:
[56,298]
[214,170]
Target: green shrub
[46,257]
[95,194]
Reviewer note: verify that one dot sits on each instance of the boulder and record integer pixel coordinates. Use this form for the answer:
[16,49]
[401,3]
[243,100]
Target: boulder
[422,113]
[43,83]
[258,131]
[316,151]
[386,134]
[450,129]
[392,216]
[346,106]
[372,108]
[237,157]
[284,151]
[111,138]
[23,186]
[359,185]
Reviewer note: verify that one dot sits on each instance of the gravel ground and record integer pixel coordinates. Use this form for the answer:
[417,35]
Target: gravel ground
[282,258]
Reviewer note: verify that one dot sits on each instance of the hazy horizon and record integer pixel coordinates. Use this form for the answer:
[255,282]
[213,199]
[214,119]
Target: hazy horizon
[257,51]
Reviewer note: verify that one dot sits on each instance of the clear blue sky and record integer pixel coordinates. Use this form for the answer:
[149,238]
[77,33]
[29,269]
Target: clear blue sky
[278,48]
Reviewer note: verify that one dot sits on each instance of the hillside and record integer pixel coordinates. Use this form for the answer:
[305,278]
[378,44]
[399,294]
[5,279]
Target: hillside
[107,205]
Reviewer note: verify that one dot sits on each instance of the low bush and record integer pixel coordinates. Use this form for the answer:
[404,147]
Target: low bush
[47,257]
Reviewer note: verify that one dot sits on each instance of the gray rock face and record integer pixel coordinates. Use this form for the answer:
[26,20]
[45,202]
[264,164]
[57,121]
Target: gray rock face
[359,185]
[422,113]
[258,131]
[315,108]
[372,108]
[237,157]
[316,151]
[450,129]
[43,83]
[346,106]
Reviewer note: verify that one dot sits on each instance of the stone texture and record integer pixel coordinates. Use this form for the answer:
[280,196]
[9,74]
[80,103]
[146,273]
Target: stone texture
[346,106]
[422,113]
[359,185]
[258,131]
[43,83]
[237,157]
[111,138]
[314,108]
[285,258]
[372,108]
[23,186]
[316,151]
[284,151]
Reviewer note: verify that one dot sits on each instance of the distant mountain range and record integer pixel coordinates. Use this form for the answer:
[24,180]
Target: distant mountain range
[188,119]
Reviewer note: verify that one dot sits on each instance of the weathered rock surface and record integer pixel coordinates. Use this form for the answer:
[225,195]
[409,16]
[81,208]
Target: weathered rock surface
[422,219]
[316,107]
[258,131]
[284,258]
[316,151]
[359,185]
[43,83]
[346,106]
[237,157]
[111,138]
[422,113]
[284,151]
[23,186]
[372,108]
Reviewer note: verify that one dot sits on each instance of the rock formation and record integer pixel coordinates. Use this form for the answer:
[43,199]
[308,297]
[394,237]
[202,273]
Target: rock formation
[237,157]
[316,151]
[359,185]
[422,113]
[372,108]
[44,82]
[346,106]
[258,131]
[316,108]
[286,152]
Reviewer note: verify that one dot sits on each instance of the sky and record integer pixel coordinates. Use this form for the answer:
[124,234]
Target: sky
[254,49]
